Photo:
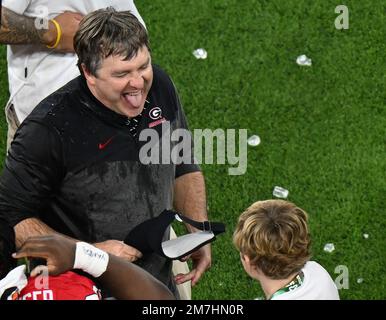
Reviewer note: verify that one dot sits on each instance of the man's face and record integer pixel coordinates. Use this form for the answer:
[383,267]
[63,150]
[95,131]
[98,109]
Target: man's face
[123,85]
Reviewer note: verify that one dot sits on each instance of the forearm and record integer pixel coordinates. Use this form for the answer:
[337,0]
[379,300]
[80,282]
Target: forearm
[190,196]
[126,281]
[30,228]
[19,29]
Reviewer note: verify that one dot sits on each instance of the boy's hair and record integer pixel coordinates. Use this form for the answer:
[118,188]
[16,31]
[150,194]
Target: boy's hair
[106,32]
[274,235]
[7,247]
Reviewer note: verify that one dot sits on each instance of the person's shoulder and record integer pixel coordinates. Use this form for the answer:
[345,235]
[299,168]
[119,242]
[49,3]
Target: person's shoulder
[161,77]
[315,267]
[320,282]
[56,105]
[317,272]
[163,90]
[159,72]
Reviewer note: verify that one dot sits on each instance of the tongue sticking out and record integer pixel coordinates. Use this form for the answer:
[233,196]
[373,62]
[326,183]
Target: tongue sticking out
[134,100]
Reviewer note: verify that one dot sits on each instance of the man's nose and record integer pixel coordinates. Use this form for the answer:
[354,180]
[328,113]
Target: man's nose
[137,81]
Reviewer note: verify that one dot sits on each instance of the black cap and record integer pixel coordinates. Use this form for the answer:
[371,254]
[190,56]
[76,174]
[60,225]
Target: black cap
[147,236]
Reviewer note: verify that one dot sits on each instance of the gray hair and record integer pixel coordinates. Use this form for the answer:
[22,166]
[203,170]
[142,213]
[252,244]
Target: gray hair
[108,32]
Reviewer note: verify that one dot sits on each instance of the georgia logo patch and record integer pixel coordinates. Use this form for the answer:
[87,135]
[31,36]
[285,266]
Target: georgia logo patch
[155,113]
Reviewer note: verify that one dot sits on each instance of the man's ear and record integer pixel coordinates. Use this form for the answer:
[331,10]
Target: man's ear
[87,74]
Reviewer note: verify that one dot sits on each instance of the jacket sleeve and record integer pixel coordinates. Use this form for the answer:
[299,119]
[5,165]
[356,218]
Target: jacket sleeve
[32,173]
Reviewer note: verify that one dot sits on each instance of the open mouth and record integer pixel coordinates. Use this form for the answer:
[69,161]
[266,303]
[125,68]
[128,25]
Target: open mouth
[133,98]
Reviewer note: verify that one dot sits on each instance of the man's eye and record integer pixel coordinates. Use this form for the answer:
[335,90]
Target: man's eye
[144,67]
[120,75]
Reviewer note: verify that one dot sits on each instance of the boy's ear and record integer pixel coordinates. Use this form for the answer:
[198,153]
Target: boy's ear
[245,258]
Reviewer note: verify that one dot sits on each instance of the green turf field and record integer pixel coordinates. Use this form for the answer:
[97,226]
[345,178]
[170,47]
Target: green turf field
[322,128]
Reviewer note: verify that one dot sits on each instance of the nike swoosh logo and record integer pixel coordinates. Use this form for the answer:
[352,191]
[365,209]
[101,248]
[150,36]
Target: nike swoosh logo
[103,145]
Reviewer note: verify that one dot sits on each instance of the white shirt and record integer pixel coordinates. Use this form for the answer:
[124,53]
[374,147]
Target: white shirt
[317,285]
[34,71]
[15,278]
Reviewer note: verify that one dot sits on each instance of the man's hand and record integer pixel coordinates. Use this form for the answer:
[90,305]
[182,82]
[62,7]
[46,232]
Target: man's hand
[59,251]
[190,200]
[119,249]
[201,262]
[20,29]
[69,23]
